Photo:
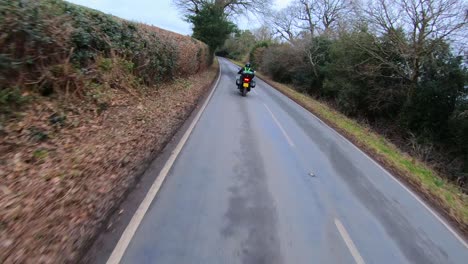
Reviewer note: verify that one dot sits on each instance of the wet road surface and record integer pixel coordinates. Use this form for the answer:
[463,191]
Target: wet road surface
[261,180]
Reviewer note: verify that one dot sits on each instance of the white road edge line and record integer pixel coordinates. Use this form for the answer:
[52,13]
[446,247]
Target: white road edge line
[436,215]
[131,228]
[349,242]
[411,192]
[291,143]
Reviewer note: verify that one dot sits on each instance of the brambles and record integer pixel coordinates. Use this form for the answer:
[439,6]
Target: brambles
[53,46]
[11,97]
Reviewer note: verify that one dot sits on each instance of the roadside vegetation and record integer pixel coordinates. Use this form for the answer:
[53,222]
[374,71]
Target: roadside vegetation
[391,75]
[86,101]
[422,177]
[211,25]
[212,20]
[53,46]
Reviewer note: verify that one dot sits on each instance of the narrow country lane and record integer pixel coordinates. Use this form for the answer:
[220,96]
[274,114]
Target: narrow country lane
[261,180]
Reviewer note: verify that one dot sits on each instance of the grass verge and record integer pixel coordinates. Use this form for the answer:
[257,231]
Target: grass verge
[440,193]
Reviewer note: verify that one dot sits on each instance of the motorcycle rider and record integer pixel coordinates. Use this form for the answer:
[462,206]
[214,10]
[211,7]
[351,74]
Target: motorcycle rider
[247,70]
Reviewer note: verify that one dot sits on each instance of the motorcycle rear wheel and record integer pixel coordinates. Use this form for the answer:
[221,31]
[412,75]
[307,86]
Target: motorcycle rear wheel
[244,91]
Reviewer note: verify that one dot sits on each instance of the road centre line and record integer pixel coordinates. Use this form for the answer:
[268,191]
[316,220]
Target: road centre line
[131,228]
[412,193]
[291,143]
[349,242]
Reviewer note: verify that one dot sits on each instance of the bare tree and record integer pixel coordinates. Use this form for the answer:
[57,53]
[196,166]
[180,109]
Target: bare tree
[285,23]
[303,20]
[330,11]
[229,6]
[321,15]
[263,33]
[307,15]
[425,23]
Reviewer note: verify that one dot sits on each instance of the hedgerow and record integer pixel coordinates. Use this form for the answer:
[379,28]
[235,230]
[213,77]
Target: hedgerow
[52,45]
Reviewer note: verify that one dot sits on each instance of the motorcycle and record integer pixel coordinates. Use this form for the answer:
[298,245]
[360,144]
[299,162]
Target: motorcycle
[245,83]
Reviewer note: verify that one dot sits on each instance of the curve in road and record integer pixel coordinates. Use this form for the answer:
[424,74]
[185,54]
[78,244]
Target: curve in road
[261,180]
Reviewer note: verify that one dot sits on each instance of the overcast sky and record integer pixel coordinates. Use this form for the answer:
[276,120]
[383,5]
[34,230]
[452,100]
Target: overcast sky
[160,13]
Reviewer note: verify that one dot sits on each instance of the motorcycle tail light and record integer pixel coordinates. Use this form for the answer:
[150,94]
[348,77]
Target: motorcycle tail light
[246,80]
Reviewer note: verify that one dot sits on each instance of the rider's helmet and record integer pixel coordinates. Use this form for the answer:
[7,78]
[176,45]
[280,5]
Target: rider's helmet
[247,65]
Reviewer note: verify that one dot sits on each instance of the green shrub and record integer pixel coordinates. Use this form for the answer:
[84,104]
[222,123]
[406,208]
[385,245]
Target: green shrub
[371,77]
[432,102]
[458,127]
[39,37]
[280,62]
[11,98]
[257,52]
[105,64]
[211,25]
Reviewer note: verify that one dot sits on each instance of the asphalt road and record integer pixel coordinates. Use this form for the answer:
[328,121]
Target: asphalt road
[261,180]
